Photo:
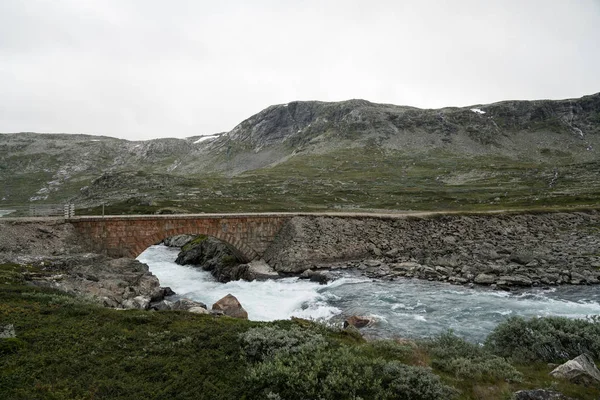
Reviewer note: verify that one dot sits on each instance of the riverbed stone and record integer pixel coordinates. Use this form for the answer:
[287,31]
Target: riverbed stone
[307,274]
[162,305]
[372,263]
[407,265]
[582,278]
[320,278]
[258,270]
[515,280]
[230,306]
[358,321]
[485,279]
[186,304]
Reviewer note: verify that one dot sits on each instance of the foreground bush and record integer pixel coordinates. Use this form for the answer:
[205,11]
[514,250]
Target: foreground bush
[303,364]
[469,361]
[342,373]
[259,344]
[550,339]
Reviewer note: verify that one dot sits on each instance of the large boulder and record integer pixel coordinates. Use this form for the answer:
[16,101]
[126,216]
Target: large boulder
[306,274]
[212,255]
[315,276]
[320,278]
[230,306]
[581,369]
[166,291]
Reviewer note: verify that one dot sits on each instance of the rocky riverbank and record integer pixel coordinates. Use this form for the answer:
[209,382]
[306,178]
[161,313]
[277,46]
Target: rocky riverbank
[503,249]
[62,262]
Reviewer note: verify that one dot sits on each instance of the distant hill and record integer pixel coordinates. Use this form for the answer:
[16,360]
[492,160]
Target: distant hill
[309,155]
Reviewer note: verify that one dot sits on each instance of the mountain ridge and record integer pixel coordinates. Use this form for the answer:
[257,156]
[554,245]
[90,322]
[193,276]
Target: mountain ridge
[343,139]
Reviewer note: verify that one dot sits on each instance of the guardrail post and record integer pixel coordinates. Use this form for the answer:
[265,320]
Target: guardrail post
[71,210]
[66,210]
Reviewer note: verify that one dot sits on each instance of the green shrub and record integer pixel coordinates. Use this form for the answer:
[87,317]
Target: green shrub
[259,344]
[10,346]
[469,361]
[489,368]
[549,339]
[341,373]
[390,350]
[301,363]
[406,382]
[448,346]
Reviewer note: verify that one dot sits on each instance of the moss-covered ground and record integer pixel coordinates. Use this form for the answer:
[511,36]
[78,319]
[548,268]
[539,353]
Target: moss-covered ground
[377,179]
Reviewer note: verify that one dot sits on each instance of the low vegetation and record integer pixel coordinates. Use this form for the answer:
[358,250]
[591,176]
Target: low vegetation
[378,179]
[551,339]
[66,348]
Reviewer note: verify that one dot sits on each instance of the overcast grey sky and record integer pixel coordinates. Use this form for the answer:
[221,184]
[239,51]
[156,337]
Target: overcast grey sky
[141,69]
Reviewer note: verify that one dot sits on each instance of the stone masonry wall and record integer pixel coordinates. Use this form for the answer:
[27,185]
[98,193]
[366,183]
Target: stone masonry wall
[506,248]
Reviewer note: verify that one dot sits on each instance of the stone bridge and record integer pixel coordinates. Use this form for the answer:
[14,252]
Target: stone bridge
[130,235]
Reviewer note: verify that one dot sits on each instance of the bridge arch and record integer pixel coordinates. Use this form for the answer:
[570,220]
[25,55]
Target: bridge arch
[243,252]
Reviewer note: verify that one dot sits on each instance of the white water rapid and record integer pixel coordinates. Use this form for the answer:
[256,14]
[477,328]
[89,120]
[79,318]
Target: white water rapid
[404,308]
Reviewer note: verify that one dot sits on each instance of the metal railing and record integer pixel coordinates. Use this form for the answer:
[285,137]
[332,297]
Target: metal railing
[66,210]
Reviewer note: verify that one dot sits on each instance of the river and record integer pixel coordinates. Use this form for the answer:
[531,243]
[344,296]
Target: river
[407,308]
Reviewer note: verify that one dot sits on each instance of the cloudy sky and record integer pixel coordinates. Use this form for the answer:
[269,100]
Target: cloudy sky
[141,69]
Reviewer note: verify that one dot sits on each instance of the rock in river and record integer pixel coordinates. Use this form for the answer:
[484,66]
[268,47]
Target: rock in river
[358,321]
[230,306]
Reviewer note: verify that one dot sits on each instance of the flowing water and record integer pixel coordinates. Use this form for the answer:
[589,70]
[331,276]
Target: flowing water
[403,308]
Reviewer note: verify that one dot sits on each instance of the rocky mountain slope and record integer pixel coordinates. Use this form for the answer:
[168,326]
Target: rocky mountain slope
[315,155]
